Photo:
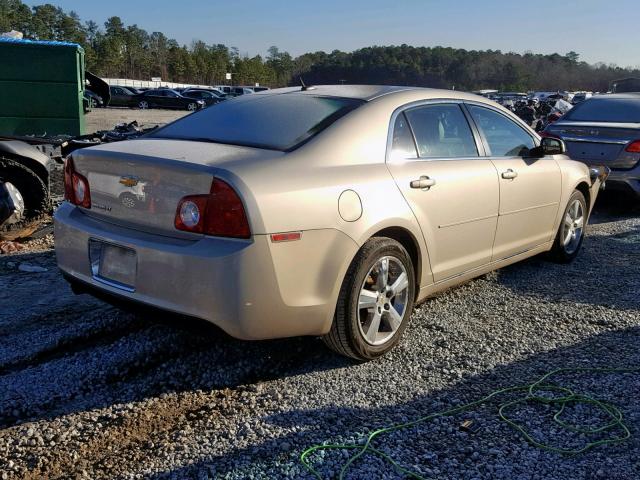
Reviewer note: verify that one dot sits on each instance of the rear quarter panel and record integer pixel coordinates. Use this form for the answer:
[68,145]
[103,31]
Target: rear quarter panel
[301,190]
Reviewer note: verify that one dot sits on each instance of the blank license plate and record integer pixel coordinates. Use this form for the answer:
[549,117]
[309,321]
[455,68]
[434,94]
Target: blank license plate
[118,264]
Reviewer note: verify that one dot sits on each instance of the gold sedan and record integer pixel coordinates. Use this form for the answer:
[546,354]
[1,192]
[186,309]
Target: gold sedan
[325,210]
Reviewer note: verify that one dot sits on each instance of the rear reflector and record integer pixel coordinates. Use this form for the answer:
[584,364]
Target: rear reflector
[633,147]
[286,237]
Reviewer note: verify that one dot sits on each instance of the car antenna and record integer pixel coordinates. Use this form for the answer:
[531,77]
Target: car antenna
[304,85]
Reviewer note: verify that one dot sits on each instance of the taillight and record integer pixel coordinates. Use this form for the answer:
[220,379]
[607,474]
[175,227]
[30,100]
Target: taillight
[76,187]
[633,147]
[221,213]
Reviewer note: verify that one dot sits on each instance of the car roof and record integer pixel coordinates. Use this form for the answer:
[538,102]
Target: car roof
[360,92]
[372,92]
[617,96]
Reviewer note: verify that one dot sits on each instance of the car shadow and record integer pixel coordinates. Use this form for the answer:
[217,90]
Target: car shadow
[61,353]
[610,261]
[612,205]
[437,447]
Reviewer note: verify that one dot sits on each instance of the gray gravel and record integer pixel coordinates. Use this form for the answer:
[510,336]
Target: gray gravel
[87,391]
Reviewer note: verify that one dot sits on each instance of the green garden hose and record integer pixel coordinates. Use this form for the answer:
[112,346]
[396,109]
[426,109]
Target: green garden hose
[531,394]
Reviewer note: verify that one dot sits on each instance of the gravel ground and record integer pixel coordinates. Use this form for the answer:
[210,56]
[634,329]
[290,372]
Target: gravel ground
[107,118]
[87,391]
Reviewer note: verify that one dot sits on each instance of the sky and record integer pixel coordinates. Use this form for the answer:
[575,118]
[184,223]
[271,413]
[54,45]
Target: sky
[599,31]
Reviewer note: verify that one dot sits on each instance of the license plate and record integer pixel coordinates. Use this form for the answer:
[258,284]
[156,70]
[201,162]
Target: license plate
[593,151]
[114,264]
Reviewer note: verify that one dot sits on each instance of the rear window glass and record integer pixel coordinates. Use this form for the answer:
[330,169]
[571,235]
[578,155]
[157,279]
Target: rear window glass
[277,122]
[606,110]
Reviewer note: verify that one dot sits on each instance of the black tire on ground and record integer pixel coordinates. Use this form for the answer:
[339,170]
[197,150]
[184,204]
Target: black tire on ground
[345,336]
[559,252]
[192,107]
[34,192]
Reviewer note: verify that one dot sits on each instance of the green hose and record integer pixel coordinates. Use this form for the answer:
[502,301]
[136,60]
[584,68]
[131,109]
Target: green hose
[567,396]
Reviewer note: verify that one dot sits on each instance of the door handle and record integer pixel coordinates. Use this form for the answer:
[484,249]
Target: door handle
[423,183]
[509,174]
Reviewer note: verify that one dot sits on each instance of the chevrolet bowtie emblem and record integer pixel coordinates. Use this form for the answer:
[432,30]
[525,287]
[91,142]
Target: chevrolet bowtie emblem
[129,181]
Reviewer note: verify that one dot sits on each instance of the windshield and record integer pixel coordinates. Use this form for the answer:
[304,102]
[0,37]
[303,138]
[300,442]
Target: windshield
[620,110]
[277,122]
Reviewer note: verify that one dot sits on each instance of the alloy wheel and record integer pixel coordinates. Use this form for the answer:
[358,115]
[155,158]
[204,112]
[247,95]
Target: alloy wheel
[573,226]
[382,303]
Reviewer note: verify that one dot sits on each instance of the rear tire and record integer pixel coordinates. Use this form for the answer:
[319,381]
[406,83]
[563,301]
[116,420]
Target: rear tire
[571,230]
[370,314]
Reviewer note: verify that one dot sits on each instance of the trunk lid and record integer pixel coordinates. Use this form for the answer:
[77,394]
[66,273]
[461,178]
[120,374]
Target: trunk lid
[139,183]
[598,142]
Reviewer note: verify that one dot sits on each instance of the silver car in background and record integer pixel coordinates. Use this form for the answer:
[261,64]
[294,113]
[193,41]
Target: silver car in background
[605,130]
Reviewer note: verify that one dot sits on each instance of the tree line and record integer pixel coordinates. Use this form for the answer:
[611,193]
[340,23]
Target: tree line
[128,51]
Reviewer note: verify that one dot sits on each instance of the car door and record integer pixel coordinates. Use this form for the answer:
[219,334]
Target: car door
[530,188]
[154,97]
[118,97]
[453,191]
[172,100]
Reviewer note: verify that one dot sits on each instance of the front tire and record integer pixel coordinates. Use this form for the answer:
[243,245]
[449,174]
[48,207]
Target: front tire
[571,231]
[192,107]
[143,105]
[375,301]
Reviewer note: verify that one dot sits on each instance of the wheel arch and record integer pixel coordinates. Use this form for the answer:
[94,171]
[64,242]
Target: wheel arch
[583,188]
[411,245]
[27,155]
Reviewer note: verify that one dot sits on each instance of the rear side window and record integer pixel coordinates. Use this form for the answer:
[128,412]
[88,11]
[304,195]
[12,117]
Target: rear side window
[441,131]
[621,110]
[504,137]
[277,121]
[402,145]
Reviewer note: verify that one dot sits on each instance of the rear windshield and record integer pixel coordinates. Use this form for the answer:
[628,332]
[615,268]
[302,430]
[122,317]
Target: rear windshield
[277,122]
[621,110]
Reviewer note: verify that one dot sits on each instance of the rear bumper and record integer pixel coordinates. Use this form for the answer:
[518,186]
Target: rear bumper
[252,289]
[626,180]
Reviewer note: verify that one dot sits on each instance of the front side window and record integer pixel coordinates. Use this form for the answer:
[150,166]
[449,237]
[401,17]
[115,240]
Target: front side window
[277,122]
[504,137]
[442,131]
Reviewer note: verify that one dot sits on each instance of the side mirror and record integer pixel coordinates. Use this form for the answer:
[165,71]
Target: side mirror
[548,146]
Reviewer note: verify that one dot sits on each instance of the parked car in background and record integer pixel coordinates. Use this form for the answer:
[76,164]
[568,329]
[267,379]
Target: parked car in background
[260,89]
[92,100]
[579,97]
[209,97]
[385,210]
[605,129]
[167,98]
[234,91]
[122,97]
[237,91]
[133,90]
[511,97]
